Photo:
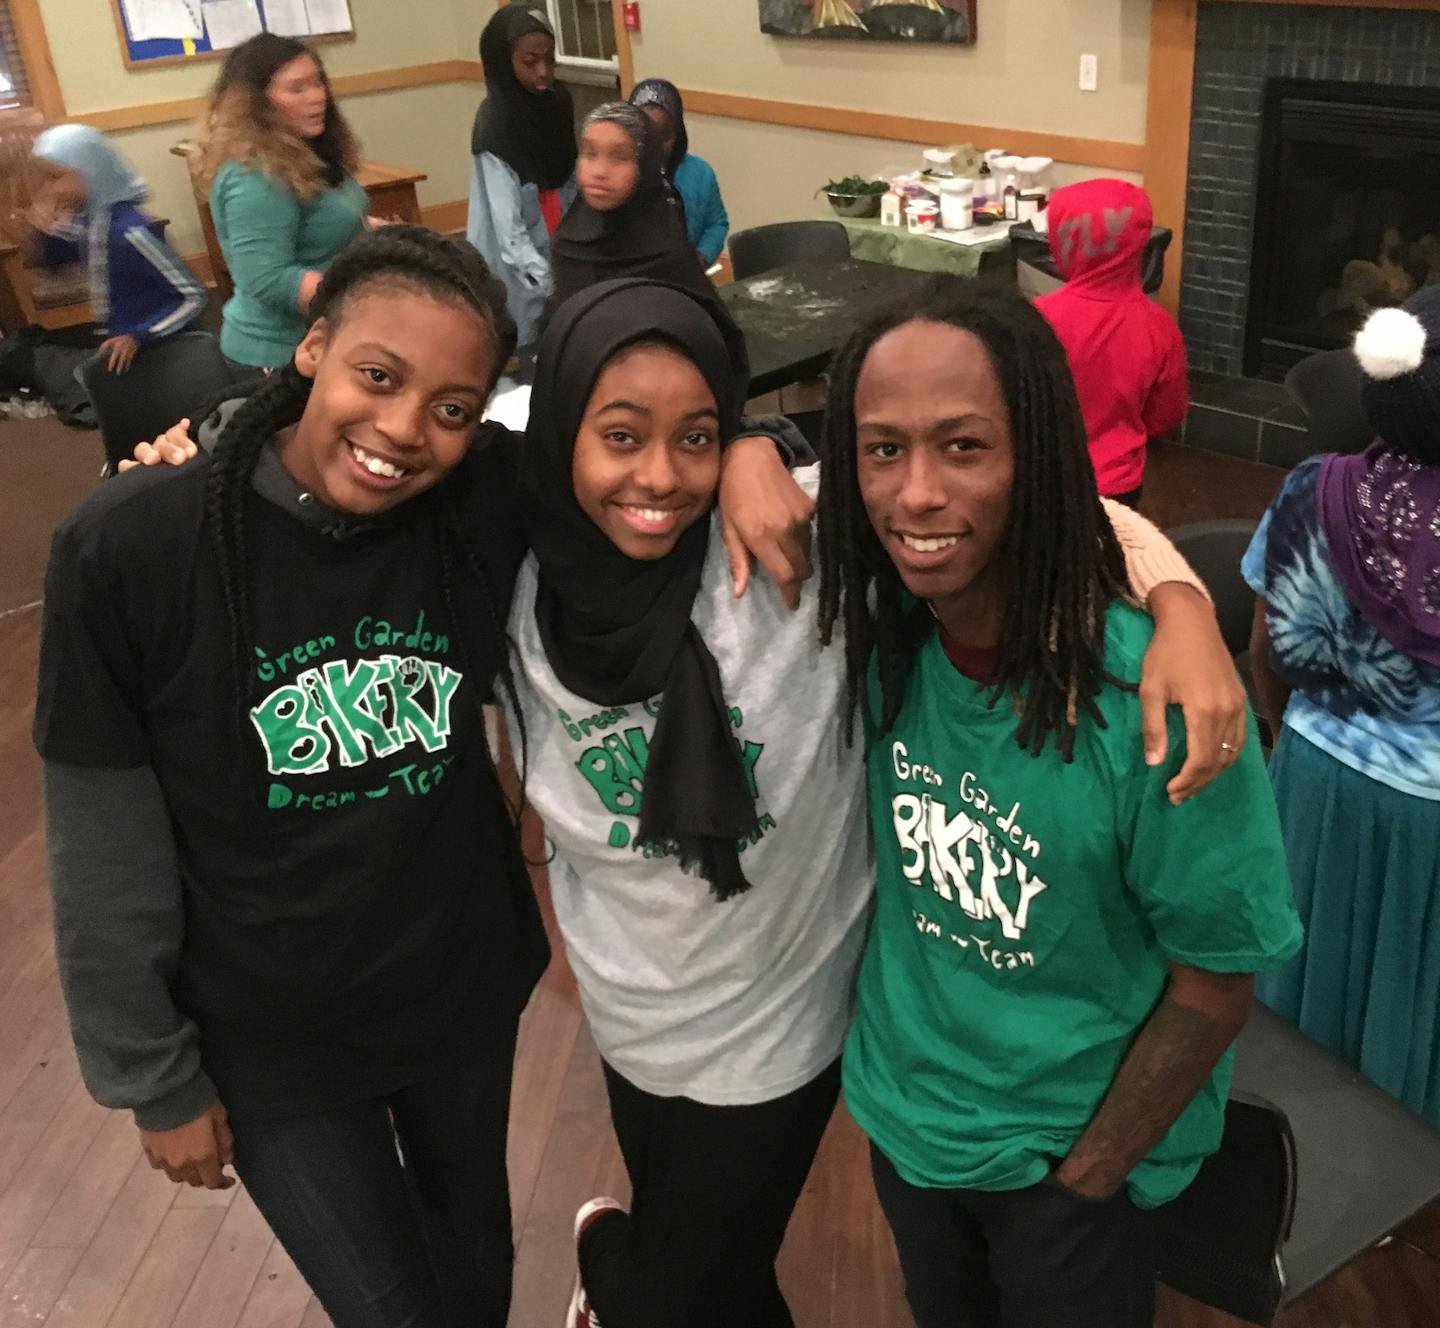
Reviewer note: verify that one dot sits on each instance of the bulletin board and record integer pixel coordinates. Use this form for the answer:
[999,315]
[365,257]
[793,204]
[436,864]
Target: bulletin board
[220,25]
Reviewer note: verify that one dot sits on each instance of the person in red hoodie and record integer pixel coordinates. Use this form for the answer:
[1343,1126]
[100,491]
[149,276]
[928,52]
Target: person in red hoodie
[1125,351]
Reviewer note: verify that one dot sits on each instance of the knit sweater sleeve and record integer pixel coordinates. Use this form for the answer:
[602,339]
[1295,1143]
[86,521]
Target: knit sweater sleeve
[1150,558]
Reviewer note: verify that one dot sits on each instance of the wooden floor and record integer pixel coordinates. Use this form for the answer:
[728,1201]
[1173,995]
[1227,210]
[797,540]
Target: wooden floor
[90,1237]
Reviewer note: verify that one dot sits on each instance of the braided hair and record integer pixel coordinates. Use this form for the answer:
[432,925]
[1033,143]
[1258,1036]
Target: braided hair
[1066,563]
[394,257]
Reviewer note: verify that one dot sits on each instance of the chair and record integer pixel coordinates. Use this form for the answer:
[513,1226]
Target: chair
[168,381]
[1221,1241]
[1316,1165]
[1214,549]
[1032,250]
[1326,387]
[1364,1163]
[765,247]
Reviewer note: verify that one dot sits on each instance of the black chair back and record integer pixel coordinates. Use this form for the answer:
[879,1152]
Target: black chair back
[1220,1242]
[765,247]
[168,380]
[1214,550]
[1033,249]
[1326,387]
[1365,1163]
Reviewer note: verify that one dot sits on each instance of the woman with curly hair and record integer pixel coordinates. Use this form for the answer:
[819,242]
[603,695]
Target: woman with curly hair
[279,160]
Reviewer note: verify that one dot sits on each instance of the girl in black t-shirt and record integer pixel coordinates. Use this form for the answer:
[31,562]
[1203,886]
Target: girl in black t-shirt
[292,919]
[293,924]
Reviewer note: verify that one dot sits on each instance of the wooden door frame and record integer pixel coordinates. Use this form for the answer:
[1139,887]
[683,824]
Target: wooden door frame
[45,95]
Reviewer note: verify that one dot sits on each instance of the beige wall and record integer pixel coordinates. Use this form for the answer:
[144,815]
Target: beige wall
[1022,74]
[426,128]
[771,172]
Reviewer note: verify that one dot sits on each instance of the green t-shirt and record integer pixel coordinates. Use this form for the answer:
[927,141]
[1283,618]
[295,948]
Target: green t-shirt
[1026,912]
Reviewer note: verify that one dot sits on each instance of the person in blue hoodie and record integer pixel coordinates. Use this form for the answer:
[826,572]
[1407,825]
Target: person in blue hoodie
[706,221]
[87,210]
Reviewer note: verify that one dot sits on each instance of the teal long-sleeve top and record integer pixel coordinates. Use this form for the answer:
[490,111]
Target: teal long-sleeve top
[706,221]
[270,240]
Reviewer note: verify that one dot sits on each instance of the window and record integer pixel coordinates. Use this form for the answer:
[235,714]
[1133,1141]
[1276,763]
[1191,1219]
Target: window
[584,37]
[14,87]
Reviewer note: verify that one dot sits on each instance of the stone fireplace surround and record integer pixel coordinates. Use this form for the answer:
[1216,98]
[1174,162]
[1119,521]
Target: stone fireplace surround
[1238,47]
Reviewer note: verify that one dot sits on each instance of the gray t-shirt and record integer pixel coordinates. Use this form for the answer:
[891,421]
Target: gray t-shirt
[727,1003]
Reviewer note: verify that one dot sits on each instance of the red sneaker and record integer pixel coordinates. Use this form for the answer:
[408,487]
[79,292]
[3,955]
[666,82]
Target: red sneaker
[580,1315]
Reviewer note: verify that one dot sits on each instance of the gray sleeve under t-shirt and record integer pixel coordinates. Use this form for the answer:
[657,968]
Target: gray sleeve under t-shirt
[119,927]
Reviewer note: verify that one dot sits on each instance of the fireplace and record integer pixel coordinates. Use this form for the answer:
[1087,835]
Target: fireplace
[1347,213]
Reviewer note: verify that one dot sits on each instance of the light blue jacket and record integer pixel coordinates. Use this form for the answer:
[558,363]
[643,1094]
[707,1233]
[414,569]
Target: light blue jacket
[706,221]
[506,225]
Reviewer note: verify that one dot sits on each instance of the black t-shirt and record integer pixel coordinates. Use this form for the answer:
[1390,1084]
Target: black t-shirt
[357,911]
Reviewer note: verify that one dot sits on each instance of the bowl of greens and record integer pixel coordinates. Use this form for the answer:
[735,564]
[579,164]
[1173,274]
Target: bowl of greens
[855,196]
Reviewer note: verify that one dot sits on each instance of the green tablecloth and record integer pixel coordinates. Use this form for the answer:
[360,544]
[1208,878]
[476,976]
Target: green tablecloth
[874,243]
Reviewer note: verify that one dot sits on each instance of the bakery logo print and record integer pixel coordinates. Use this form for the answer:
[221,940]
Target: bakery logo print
[967,862]
[614,767]
[348,712]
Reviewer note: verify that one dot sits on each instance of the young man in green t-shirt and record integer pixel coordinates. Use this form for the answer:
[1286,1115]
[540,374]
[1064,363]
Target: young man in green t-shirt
[1060,958]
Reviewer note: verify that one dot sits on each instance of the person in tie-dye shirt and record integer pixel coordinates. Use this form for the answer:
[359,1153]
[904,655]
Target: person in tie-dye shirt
[1346,655]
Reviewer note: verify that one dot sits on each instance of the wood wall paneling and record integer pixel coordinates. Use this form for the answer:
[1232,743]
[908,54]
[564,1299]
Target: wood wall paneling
[1167,127]
[346,85]
[914,129]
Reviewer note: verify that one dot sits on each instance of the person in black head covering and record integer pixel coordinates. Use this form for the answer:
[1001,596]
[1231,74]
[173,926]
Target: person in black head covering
[693,179]
[523,144]
[616,627]
[627,221]
[709,873]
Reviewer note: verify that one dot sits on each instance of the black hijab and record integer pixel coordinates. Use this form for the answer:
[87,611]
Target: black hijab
[664,94]
[531,132]
[643,238]
[617,630]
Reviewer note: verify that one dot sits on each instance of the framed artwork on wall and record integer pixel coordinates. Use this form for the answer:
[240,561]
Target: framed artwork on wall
[951,21]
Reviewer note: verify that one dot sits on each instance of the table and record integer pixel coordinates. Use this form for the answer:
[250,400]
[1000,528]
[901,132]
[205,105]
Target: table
[874,243]
[392,196]
[796,317]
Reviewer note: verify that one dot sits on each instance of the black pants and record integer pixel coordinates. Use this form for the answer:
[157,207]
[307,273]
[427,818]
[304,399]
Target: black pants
[1041,1257]
[714,1188]
[1131,499]
[411,1237]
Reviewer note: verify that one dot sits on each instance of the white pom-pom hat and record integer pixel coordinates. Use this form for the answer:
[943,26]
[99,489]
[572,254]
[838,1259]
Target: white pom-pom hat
[1391,343]
[1399,350]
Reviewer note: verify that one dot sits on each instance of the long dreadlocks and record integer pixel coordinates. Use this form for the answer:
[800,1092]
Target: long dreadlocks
[408,257]
[1066,565]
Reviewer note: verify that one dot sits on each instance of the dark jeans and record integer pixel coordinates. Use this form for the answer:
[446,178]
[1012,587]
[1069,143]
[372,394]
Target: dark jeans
[246,373]
[1040,1257]
[396,1210]
[714,1188]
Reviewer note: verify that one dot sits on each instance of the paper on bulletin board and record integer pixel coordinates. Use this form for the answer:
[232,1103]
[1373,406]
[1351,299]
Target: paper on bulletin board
[287,18]
[329,16]
[230,22]
[147,20]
